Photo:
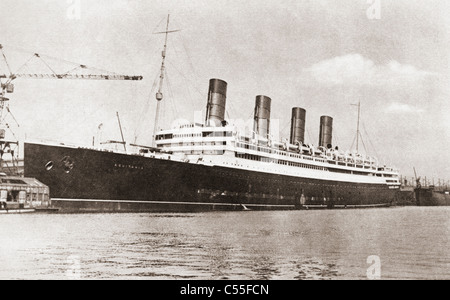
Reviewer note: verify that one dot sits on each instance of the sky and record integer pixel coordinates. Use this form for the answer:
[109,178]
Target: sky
[391,56]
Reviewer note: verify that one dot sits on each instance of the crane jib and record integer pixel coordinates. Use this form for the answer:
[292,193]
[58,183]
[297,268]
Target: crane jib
[73,76]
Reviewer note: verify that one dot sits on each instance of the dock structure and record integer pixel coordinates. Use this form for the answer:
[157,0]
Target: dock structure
[22,193]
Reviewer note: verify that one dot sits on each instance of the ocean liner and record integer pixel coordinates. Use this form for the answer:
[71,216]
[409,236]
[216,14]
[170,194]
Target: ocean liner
[213,166]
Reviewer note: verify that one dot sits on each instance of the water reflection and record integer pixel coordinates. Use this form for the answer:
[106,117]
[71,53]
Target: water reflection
[299,245]
[315,269]
[265,268]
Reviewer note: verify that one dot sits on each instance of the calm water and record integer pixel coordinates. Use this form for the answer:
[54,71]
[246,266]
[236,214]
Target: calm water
[412,243]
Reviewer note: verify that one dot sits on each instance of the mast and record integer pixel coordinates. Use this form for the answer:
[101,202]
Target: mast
[357,127]
[121,132]
[159,94]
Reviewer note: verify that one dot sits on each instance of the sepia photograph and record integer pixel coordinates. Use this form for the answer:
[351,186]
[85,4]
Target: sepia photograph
[216,142]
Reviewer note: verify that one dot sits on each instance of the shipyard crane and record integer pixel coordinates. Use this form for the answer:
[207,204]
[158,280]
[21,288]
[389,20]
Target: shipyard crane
[75,71]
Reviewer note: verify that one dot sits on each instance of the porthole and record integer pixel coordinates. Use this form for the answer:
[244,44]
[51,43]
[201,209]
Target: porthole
[49,166]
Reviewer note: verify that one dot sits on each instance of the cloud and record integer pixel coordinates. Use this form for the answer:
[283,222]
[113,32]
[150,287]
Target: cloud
[354,69]
[403,108]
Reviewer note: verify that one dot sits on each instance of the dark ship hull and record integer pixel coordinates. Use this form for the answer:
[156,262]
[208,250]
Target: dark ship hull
[90,180]
[428,196]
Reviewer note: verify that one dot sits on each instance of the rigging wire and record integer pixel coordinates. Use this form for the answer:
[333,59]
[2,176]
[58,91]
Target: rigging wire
[45,63]
[353,143]
[7,114]
[288,123]
[134,99]
[251,114]
[201,94]
[86,117]
[159,24]
[7,166]
[228,115]
[12,132]
[25,64]
[370,140]
[191,66]
[181,73]
[337,139]
[146,107]
[309,136]
[360,134]
[188,56]
[171,95]
[145,111]
[41,56]
[362,141]
[6,61]
[230,108]
[179,57]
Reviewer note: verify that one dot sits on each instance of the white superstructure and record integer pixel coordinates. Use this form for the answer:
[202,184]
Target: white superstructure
[224,147]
